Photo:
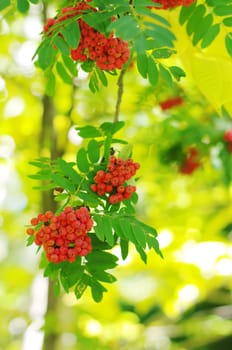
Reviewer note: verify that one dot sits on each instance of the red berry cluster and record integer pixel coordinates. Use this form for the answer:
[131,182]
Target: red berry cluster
[113,180]
[190,163]
[64,236]
[171,102]
[228,139]
[108,52]
[167,4]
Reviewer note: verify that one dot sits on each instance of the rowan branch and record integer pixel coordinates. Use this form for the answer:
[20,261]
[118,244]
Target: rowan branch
[120,93]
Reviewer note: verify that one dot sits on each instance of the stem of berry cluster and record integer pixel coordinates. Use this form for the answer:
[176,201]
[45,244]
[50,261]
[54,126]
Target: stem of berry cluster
[120,93]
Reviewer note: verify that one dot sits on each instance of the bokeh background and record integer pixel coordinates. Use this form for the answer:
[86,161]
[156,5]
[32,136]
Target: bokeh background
[182,302]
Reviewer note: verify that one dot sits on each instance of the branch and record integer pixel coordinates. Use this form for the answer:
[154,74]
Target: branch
[120,93]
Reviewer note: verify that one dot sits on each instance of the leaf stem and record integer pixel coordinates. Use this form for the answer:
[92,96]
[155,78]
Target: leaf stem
[120,93]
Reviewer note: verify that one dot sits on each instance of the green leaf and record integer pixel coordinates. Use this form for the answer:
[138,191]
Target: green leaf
[97,290]
[125,27]
[186,12]
[88,131]
[228,42]
[82,161]
[23,6]
[98,228]
[162,53]
[68,171]
[142,64]
[93,81]
[50,84]
[61,45]
[70,65]
[223,10]
[139,235]
[63,73]
[124,245]
[142,253]
[70,274]
[59,180]
[90,198]
[152,71]
[107,229]
[103,259]
[81,286]
[153,243]
[102,77]
[4,4]
[165,75]
[204,26]
[126,228]
[34,1]
[111,128]
[210,35]
[30,240]
[71,33]
[93,151]
[194,22]
[227,21]
[177,72]
[46,55]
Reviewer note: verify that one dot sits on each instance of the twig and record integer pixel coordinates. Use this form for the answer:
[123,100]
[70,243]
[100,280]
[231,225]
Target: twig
[120,93]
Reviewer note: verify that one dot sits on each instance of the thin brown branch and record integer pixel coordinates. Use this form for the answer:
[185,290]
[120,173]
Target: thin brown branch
[120,93]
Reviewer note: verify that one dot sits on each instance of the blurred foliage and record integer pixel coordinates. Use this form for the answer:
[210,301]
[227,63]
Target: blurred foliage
[181,302]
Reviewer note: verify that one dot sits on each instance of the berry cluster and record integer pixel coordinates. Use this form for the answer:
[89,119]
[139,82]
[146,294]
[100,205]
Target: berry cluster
[64,236]
[113,181]
[171,102]
[109,53]
[190,163]
[228,139]
[167,4]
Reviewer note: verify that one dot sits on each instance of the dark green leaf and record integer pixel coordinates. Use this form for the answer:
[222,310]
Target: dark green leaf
[98,228]
[82,161]
[23,5]
[4,4]
[127,229]
[93,151]
[63,73]
[71,33]
[228,42]
[71,273]
[210,35]
[102,275]
[90,198]
[88,131]
[152,71]
[142,64]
